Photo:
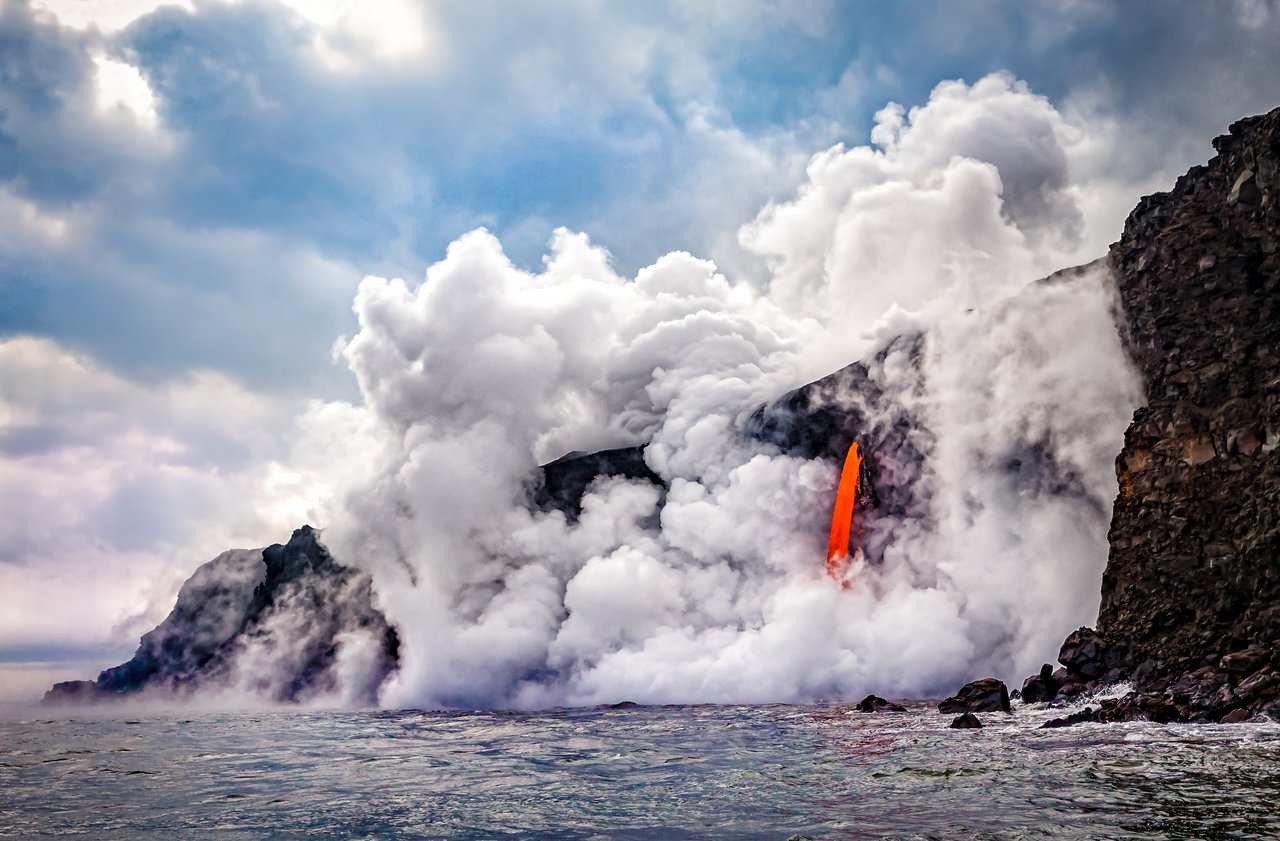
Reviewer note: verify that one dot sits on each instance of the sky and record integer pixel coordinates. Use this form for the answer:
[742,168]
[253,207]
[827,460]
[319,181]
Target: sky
[192,196]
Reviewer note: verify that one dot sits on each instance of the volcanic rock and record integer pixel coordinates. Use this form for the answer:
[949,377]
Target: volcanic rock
[876,704]
[1132,707]
[1041,687]
[817,420]
[823,418]
[1085,715]
[981,696]
[561,484]
[273,623]
[965,721]
[1236,716]
[1081,653]
[1261,687]
[1191,593]
[1247,661]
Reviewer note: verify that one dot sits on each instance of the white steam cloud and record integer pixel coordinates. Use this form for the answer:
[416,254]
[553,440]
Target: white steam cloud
[716,590]
[913,255]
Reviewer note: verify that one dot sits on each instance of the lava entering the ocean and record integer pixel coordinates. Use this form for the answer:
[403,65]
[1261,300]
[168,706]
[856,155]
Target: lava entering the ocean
[842,516]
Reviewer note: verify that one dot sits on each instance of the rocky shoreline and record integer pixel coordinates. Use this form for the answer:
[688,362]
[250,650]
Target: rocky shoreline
[1190,612]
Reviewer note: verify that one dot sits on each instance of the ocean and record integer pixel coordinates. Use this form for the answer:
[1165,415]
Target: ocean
[679,772]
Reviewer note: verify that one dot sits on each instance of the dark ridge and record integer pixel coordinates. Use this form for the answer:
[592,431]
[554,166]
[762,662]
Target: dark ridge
[561,484]
[243,598]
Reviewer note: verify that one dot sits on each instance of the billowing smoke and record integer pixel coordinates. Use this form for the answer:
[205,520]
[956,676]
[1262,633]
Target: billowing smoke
[714,588]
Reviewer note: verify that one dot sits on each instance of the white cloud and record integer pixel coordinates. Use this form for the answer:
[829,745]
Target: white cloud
[106,15]
[114,491]
[971,193]
[27,227]
[348,33]
[121,86]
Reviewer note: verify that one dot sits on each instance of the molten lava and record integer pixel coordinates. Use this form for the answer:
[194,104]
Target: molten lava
[842,516]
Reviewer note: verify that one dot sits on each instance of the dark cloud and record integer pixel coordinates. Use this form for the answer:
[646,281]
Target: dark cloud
[43,82]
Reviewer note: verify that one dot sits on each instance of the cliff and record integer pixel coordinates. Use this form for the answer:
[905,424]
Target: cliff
[1190,607]
[286,623]
[1194,571]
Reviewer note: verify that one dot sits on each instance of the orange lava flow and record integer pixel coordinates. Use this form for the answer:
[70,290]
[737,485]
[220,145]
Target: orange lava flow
[842,516]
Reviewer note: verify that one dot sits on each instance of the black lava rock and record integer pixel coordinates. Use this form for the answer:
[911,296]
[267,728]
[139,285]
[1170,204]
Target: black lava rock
[981,696]
[876,704]
[291,606]
[561,484]
[1193,577]
[1041,687]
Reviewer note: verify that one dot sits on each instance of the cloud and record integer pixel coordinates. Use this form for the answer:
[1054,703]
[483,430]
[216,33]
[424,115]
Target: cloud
[58,144]
[293,127]
[114,491]
[972,193]
[121,86]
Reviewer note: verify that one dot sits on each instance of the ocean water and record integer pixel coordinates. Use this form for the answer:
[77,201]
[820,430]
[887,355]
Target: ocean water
[681,772]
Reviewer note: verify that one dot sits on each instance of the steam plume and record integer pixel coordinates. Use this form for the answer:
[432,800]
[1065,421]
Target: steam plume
[1012,399]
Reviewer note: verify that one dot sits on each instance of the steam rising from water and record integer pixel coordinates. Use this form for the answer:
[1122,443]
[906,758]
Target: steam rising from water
[718,591]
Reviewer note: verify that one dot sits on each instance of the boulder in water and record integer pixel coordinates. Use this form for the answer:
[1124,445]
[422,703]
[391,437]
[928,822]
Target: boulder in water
[876,704]
[1082,653]
[1041,687]
[988,695]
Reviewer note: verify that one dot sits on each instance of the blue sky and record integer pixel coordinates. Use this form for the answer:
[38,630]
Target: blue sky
[191,194]
[230,231]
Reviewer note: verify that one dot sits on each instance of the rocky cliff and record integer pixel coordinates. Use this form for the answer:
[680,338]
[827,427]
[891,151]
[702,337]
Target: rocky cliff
[286,623]
[1191,594]
[1194,571]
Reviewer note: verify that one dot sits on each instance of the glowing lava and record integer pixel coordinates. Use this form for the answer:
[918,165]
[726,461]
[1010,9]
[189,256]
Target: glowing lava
[842,516]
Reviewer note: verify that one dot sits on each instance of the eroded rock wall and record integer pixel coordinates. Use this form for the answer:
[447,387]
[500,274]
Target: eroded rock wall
[1194,568]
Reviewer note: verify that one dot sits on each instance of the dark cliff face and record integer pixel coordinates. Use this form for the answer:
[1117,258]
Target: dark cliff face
[287,623]
[1194,569]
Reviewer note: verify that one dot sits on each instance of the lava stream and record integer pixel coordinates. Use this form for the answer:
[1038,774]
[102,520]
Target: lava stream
[842,516]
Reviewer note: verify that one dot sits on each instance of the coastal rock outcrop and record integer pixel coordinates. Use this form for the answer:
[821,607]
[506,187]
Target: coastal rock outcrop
[988,695]
[1041,687]
[1190,607]
[1194,571]
[286,623]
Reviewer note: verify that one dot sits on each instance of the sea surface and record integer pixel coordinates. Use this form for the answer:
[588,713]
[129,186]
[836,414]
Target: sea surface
[682,772]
